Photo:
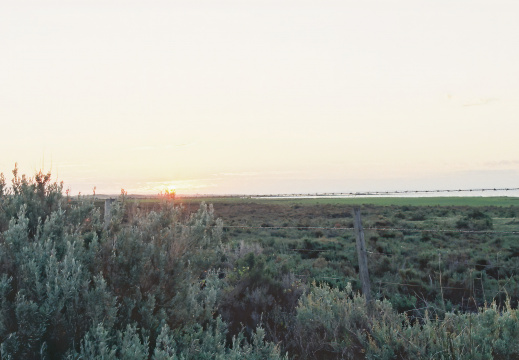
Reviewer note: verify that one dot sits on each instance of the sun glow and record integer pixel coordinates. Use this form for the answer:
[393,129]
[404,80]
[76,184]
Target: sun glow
[187,186]
[166,187]
[168,190]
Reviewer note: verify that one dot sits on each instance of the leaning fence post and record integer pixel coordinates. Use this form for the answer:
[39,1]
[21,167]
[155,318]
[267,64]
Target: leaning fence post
[361,253]
[108,211]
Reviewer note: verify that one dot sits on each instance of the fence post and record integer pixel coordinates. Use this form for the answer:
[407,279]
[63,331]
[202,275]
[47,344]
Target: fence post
[361,253]
[108,211]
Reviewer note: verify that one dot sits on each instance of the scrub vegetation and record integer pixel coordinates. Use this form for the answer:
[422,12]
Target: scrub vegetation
[251,279]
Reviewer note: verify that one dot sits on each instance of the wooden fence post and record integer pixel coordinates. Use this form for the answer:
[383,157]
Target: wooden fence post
[108,211]
[361,253]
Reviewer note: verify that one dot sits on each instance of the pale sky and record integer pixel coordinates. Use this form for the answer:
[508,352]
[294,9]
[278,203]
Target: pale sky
[259,96]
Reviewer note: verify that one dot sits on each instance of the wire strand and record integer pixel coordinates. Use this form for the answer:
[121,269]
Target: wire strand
[374,193]
[371,229]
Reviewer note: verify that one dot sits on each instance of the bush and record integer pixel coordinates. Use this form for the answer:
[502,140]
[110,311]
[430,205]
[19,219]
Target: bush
[332,324]
[475,220]
[72,288]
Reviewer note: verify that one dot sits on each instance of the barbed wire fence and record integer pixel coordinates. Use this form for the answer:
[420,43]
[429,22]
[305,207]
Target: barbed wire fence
[470,290]
[385,229]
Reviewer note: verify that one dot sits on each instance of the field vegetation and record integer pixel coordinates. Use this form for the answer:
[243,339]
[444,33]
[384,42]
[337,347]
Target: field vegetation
[254,278]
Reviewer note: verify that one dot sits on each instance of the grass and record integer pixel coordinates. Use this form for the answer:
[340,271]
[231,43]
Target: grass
[378,201]
[403,263]
[410,201]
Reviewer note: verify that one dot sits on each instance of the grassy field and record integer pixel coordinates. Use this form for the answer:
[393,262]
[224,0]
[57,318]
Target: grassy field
[403,264]
[409,201]
[471,239]
[379,201]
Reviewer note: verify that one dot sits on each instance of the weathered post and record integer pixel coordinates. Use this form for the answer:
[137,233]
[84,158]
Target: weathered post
[361,253]
[108,211]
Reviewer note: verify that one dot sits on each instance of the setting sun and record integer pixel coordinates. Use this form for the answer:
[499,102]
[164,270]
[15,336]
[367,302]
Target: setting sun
[167,188]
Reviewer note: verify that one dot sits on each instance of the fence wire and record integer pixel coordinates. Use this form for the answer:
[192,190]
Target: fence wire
[371,229]
[384,193]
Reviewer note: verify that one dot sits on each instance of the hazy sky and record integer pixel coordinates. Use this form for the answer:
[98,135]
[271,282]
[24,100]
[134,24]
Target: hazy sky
[259,96]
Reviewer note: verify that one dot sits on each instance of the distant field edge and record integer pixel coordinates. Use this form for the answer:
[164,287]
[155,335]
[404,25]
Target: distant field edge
[380,201]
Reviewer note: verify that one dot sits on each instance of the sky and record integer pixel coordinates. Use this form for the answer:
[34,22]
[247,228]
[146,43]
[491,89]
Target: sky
[261,96]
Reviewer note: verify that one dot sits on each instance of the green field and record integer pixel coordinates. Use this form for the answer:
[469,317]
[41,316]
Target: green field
[410,201]
[379,201]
